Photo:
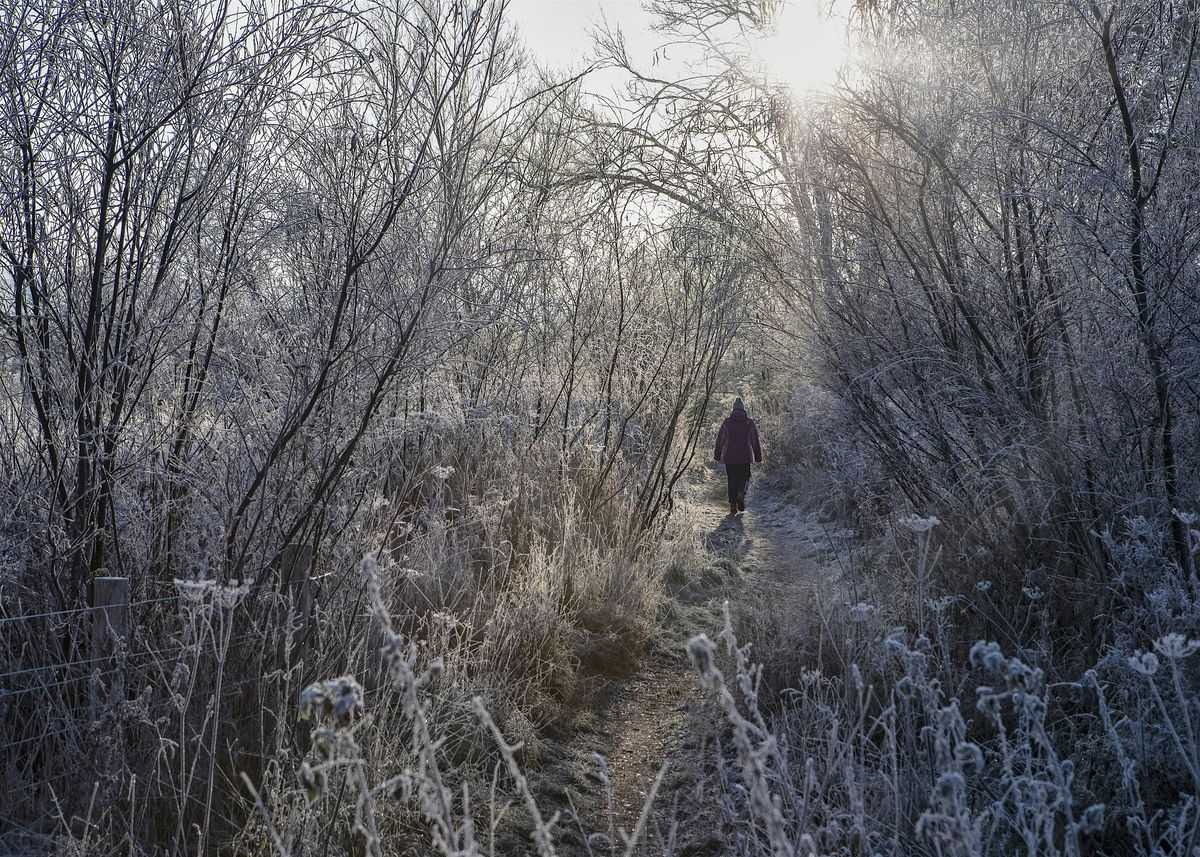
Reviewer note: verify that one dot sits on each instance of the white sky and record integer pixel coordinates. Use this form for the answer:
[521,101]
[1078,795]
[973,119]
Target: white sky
[806,50]
[556,31]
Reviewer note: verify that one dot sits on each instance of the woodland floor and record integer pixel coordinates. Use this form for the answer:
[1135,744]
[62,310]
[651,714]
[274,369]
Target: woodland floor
[656,719]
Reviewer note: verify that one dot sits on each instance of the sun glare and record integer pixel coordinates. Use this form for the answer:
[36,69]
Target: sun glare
[808,47]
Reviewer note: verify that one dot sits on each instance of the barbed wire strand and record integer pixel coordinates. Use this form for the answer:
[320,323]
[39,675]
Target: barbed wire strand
[51,685]
[27,616]
[51,613]
[136,655]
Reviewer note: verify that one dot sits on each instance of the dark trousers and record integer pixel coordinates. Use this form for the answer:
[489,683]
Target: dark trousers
[738,474]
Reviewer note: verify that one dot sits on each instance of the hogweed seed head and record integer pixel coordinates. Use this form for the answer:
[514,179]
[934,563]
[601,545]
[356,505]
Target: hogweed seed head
[1176,646]
[861,611]
[917,524]
[940,605]
[1145,663]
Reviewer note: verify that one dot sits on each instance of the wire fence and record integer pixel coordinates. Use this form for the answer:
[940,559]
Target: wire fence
[21,681]
[75,611]
[130,659]
[29,616]
[7,694]
[59,722]
[110,676]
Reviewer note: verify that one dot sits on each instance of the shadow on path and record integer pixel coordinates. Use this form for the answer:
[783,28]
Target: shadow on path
[729,539]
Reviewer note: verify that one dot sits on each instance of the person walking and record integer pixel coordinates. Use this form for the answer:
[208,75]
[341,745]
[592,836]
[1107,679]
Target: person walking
[737,446]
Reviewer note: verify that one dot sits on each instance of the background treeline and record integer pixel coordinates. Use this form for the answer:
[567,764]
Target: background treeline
[983,243]
[981,249]
[1006,242]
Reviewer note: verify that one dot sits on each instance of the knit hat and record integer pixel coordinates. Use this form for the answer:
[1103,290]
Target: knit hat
[738,405]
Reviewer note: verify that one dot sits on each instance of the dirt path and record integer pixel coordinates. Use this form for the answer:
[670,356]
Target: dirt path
[658,716]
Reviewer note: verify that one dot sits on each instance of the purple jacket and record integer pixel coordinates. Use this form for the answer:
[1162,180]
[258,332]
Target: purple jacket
[737,442]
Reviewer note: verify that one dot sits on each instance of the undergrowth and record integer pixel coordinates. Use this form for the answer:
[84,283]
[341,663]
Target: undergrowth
[864,735]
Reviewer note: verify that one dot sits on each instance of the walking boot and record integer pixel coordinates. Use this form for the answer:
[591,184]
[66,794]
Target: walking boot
[733,509]
[741,502]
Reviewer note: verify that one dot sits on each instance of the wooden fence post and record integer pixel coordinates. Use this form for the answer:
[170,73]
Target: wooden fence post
[110,633]
[110,618]
[295,573]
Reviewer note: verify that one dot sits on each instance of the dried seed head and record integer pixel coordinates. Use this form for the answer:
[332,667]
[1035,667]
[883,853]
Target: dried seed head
[1176,646]
[988,701]
[347,703]
[919,525]
[700,650]
[401,788]
[987,654]
[313,782]
[861,611]
[1092,821]
[323,743]
[1145,663]
[314,702]
[949,784]
[969,756]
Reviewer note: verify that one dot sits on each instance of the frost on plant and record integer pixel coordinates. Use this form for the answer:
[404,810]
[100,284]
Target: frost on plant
[339,699]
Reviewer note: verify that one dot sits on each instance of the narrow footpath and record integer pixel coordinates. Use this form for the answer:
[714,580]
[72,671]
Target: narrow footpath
[657,720]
